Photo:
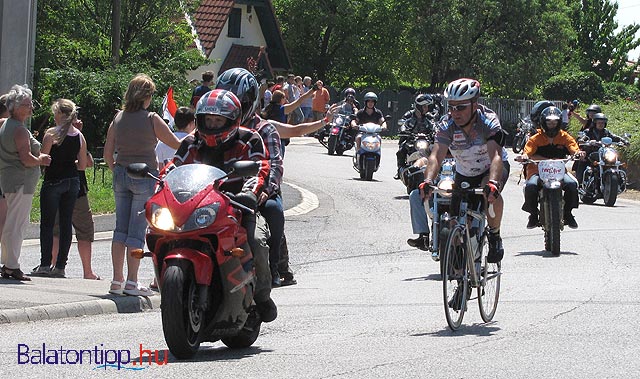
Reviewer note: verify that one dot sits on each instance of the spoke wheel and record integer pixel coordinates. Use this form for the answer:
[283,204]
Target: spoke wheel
[455,284]
[489,289]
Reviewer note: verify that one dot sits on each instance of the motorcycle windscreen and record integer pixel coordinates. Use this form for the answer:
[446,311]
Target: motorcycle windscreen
[188,180]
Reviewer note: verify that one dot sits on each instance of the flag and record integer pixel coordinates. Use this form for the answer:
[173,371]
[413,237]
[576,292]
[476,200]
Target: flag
[169,107]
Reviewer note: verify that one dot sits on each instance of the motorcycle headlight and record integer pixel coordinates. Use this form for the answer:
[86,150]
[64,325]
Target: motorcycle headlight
[371,145]
[610,156]
[162,219]
[338,120]
[422,145]
[202,217]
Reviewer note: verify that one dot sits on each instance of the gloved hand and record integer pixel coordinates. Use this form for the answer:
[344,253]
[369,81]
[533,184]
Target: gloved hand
[246,198]
[491,190]
[425,189]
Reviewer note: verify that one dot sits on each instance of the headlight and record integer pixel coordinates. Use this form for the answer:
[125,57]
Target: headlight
[610,156]
[202,217]
[371,145]
[338,120]
[422,145]
[161,218]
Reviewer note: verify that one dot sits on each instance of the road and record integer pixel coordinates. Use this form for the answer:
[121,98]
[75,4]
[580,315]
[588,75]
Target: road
[369,306]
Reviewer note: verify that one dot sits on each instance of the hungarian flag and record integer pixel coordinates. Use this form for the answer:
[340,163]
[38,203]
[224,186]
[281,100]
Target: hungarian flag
[169,107]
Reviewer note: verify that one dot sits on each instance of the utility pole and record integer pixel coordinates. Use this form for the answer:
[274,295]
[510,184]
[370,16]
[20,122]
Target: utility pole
[17,42]
[115,31]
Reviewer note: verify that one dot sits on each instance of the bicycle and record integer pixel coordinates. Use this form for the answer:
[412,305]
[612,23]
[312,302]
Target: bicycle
[465,260]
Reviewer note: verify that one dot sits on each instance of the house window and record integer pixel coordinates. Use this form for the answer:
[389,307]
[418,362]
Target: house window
[234,23]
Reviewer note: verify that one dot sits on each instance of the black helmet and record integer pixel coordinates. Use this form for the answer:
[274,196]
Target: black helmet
[349,92]
[595,108]
[600,116]
[538,107]
[550,113]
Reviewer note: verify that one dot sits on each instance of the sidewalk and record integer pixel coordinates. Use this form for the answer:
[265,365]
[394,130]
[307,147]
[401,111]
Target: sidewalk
[51,298]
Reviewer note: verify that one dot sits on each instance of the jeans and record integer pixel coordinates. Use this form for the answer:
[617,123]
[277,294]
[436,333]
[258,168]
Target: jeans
[57,196]
[533,185]
[419,220]
[273,212]
[131,195]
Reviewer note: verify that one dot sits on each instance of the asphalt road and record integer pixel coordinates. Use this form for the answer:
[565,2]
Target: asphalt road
[369,306]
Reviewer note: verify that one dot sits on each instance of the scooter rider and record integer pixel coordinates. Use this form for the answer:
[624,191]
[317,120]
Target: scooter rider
[595,133]
[473,134]
[219,141]
[552,143]
[418,120]
[369,114]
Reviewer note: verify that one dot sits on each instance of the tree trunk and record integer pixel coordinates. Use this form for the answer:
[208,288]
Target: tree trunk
[115,32]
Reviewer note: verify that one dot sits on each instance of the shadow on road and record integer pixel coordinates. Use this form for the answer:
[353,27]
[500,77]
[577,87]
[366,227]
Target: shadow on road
[479,330]
[544,253]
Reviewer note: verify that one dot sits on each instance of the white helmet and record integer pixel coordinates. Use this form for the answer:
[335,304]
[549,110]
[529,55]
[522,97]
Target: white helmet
[462,89]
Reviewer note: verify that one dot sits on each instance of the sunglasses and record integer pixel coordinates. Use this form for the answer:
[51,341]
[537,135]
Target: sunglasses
[458,108]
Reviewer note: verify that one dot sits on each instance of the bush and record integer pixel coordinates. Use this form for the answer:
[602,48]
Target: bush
[584,86]
[617,90]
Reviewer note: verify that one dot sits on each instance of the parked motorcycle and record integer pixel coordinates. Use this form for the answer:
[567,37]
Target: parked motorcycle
[605,176]
[367,158]
[340,140]
[438,209]
[417,145]
[201,258]
[550,200]
[524,130]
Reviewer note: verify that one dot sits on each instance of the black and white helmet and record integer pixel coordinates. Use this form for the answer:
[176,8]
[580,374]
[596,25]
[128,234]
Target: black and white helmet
[245,86]
[462,89]
[423,99]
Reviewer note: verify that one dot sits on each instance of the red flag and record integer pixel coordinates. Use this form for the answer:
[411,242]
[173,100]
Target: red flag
[169,107]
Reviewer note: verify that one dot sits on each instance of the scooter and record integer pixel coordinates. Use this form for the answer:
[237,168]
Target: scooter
[201,257]
[367,158]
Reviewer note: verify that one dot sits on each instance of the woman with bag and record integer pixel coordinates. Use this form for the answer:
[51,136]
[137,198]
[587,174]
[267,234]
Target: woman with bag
[132,136]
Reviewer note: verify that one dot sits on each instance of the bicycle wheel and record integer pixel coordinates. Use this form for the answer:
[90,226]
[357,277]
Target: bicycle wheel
[489,289]
[455,286]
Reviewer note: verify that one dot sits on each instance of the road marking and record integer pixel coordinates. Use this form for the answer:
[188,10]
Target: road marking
[309,202]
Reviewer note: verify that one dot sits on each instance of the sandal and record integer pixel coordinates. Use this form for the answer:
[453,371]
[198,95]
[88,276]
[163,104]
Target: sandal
[15,273]
[116,291]
[138,290]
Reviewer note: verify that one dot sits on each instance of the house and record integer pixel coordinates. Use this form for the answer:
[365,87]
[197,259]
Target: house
[240,33]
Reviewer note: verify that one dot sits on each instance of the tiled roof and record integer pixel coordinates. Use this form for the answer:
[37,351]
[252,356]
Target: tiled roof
[239,55]
[209,19]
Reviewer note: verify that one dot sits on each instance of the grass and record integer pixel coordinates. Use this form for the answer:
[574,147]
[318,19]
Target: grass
[100,195]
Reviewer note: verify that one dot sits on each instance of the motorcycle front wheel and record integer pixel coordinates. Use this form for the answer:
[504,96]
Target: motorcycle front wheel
[181,319]
[610,190]
[553,221]
[333,142]
[517,144]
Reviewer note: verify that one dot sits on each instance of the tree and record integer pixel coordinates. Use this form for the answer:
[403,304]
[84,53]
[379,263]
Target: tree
[603,51]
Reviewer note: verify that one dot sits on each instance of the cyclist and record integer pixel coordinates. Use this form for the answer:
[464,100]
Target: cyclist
[553,142]
[473,134]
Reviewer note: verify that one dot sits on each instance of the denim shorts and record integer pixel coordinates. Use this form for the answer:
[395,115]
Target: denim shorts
[131,195]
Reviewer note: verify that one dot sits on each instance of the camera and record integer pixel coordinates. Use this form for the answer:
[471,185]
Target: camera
[315,87]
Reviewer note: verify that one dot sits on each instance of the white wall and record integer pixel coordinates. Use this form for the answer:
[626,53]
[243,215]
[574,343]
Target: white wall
[17,42]
[250,35]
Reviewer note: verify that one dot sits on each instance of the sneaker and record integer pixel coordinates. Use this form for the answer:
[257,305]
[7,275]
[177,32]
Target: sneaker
[57,273]
[533,221]
[41,271]
[422,242]
[397,175]
[496,250]
[267,310]
[570,221]
[456,301]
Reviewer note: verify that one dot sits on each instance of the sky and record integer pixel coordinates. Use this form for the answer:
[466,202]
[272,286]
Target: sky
[629,13]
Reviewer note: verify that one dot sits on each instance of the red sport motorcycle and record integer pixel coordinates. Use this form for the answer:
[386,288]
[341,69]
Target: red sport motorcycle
[201,257]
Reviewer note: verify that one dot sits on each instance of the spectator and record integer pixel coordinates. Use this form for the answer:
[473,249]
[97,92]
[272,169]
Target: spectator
[266,97]
[185,122]
[133,135]
[565,116]
[60,186]
[278,108]
[320,100]
[307,104]
[279,84]
[20,161]
[4,114]
[82,221]
[207,79]
[293,93]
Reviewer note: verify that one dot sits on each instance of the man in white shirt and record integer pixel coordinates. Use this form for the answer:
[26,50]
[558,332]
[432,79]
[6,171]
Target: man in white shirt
[185,124]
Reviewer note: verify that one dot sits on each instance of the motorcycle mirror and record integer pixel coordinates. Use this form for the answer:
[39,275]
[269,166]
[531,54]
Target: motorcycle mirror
[138,170]
[246,168]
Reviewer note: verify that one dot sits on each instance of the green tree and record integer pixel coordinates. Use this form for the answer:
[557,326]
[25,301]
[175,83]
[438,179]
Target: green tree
[601,49]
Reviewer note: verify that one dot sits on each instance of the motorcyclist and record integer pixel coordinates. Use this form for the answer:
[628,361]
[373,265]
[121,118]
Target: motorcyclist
[420,119]
[552,143]
[219,141]
[588,121]
[595,133]
[473,134]
[369,114]
[244,85]
[349,105]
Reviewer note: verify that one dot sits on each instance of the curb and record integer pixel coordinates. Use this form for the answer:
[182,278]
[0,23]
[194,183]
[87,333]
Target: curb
[121,304]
